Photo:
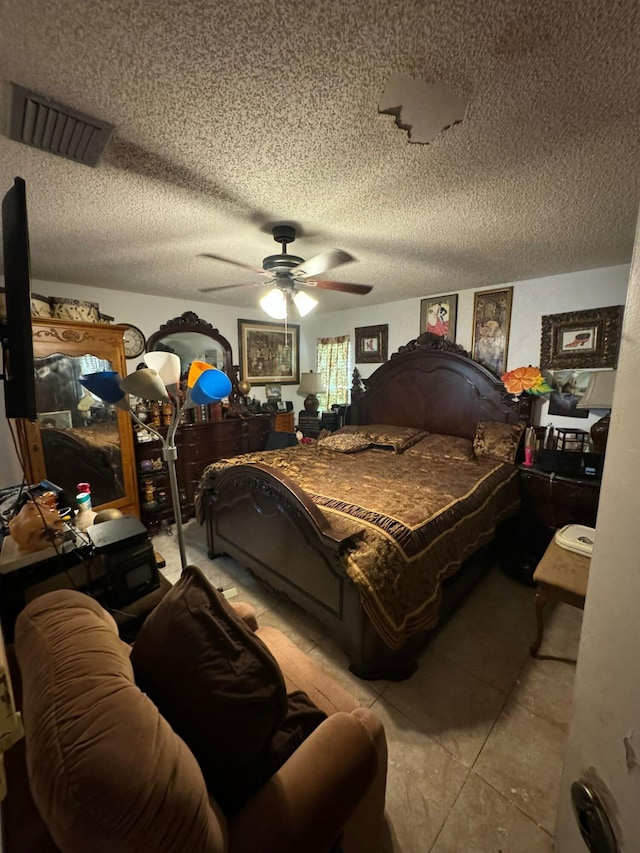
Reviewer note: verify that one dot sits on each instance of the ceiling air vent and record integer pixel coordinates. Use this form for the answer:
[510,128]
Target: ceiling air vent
[49,126]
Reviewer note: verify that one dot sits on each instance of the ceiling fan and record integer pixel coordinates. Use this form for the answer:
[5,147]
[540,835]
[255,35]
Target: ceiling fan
[289,273]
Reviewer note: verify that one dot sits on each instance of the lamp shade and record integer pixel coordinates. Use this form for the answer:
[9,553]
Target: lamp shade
[275,304]
[166,364]
[599,393]
[303,302]
[105,384]
[311,383]
[210,387]
[197,367]
[145,383]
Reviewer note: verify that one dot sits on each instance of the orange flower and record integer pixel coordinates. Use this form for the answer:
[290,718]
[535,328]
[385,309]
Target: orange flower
[521,379]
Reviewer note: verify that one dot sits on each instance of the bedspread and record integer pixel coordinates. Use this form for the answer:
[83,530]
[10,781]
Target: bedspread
[414,521]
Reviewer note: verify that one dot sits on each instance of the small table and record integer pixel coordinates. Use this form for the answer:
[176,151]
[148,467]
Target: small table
[561,575]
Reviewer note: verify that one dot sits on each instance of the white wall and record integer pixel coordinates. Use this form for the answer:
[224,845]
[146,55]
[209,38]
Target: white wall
[531,299]
[605,730]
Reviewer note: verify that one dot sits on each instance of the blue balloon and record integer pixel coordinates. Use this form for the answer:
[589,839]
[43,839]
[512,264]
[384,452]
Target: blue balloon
[210,387]
[105,384]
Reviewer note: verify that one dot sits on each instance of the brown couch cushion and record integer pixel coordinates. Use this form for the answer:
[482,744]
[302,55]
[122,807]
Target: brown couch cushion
[214,681]
[106,771]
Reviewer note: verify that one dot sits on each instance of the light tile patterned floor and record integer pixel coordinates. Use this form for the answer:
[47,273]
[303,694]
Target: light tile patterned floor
[476,736]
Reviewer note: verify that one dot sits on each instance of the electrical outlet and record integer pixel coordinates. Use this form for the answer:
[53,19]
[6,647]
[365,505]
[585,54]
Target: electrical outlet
[230,593]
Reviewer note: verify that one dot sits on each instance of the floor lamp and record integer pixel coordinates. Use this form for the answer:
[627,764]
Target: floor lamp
[160,381]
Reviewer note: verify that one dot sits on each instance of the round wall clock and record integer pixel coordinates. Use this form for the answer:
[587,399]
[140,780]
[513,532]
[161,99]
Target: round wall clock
[134,341]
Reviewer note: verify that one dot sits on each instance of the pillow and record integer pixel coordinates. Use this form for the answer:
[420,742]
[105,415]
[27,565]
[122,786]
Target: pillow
[497,440]
[102,762]
[385,436]
[396,438]
[345,442]
[435,446]
[213,680]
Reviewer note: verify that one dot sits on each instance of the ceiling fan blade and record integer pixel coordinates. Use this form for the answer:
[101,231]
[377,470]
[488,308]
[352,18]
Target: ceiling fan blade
[229,261]
[321,263]
[232,286]
[342,286]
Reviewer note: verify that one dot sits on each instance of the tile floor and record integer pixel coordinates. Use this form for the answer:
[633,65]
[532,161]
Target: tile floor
[476,736]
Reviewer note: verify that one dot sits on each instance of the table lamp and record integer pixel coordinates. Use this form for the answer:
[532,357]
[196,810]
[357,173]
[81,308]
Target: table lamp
[311,384]
[599,395]
[160,381]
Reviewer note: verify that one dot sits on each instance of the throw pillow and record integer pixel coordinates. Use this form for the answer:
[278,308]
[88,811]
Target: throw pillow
[497,440]
[213,680]
[396,438]
[385,436]
[347,442]
[302,718]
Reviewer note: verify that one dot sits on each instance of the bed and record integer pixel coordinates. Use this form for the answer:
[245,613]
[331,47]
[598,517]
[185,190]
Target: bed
[89,454]
[379,545]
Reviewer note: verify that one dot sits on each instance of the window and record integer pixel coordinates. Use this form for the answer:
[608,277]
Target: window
[333,363]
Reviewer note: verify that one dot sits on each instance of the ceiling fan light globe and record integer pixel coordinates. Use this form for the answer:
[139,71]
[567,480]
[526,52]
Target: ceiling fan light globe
[275,304]
[303,302]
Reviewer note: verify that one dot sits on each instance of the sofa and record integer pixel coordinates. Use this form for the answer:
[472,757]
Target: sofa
[104,771]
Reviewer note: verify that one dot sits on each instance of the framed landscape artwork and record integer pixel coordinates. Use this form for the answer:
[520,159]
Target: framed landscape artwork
[491,322]
[269,353]
[438,315]
[372,344]
[581,339]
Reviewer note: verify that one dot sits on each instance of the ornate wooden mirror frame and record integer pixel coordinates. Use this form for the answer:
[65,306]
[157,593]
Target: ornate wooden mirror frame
[190,337]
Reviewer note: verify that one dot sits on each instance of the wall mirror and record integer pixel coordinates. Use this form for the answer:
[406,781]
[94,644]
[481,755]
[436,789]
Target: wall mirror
[76,437]
[80,434]
[193,339]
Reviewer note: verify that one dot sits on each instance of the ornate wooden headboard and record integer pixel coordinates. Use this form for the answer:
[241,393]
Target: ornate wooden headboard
[433,384]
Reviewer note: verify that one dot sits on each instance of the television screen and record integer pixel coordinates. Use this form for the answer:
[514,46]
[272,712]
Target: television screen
[17,339]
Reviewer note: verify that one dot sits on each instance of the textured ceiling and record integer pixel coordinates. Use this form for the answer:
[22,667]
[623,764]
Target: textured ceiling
[233,115]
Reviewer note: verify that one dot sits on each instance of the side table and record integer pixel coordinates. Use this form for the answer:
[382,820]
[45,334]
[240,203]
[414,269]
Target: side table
[561,575]
[555,500]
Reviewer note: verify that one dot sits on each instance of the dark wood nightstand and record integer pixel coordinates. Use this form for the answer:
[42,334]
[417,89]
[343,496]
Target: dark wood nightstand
[549,501]
[309,424]
[555,500]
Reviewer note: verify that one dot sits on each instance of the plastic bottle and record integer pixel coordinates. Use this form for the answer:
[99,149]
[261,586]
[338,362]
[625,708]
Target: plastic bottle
[85,516]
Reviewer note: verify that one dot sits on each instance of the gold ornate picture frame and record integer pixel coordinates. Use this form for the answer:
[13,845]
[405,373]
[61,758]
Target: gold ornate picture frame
[581,339]
[269,353]
[491,324]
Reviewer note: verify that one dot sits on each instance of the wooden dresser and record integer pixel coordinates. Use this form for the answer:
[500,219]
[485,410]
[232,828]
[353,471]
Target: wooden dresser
[284,422]
[198,445]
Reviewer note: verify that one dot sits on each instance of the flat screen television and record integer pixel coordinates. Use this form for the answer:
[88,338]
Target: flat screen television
[17,337]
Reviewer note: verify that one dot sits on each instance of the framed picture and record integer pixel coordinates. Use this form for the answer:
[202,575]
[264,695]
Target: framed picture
[57,420]
[273,392]
[438,315]
[268,353]
[581,339]
[371,344]
[491,321]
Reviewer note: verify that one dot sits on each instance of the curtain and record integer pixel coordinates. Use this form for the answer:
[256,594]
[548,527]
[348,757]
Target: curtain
[333,363]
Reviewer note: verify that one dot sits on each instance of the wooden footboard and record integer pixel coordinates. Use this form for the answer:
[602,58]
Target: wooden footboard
[259,516]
